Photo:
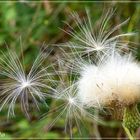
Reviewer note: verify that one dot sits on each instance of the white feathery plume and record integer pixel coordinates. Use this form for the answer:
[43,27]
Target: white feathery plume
[115,80]
[21,87]
[68,105]
[88,40]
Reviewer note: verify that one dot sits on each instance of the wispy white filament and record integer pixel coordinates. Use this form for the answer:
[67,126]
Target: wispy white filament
[68,106]
[20,86]
[89,39]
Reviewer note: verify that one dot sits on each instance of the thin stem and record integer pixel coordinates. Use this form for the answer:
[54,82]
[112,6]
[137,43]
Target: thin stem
[130,136]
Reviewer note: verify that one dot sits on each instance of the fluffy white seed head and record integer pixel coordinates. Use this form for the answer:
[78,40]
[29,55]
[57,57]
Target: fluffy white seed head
[115,80]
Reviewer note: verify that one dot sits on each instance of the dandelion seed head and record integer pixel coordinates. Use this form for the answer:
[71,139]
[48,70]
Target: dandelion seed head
[115,79]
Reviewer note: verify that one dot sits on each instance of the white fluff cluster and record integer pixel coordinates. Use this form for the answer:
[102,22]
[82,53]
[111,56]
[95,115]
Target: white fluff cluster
[115,80]
[109,76]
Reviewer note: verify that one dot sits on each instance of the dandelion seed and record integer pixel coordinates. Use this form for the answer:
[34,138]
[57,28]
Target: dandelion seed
[68,107]
[90,40]
[18,86]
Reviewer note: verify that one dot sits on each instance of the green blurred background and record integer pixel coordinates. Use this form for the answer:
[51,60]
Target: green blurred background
[31,24]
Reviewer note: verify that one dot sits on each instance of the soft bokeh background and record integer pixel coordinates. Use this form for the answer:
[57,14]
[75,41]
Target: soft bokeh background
[31,24]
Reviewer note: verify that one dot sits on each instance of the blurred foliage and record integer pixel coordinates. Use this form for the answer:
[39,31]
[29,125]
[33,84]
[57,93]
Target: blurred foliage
[30,24]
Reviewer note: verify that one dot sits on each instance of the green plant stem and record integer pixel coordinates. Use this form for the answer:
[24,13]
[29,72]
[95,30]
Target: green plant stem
[130,136]
[131,121]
